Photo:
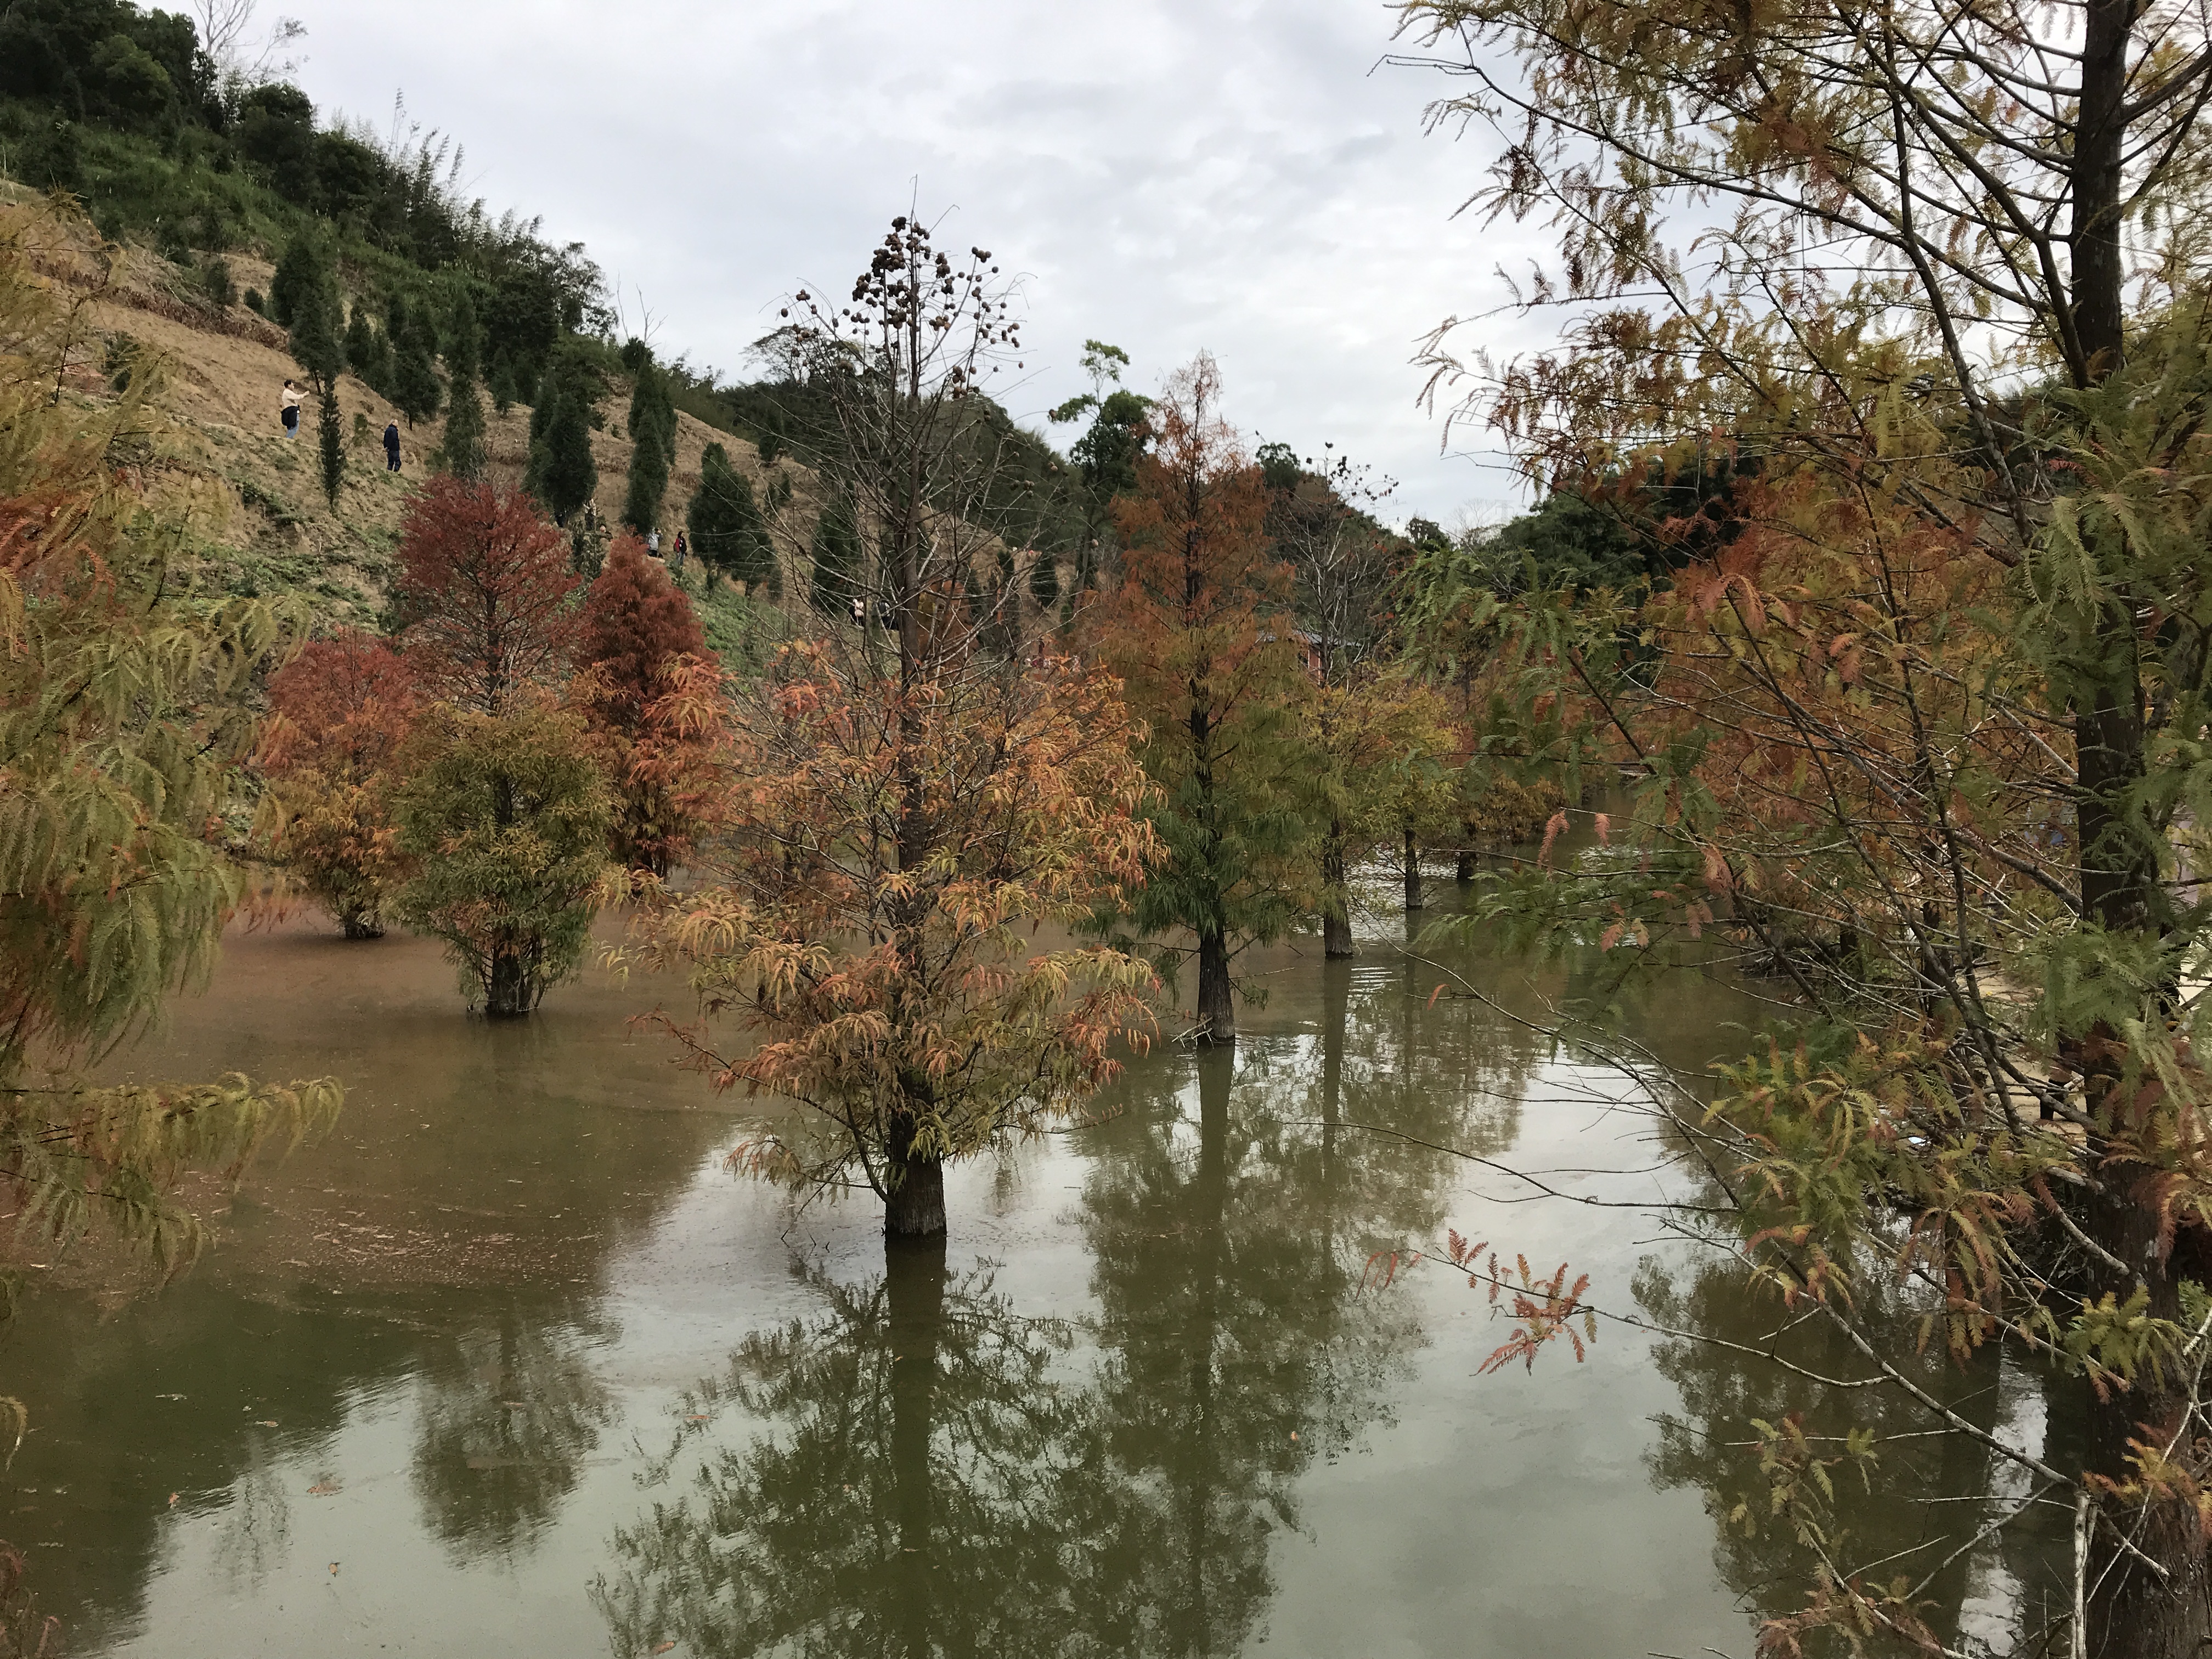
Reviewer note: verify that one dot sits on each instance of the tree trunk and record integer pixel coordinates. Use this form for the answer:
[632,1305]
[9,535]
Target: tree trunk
[357,923]
[506,993]
[1463,869]
[2130,1614]
[1217,1008]
[1413,872]
[915,1207]
[914,1284]
[1336,900]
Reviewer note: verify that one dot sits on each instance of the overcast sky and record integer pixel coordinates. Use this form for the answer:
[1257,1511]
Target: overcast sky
[1235,175]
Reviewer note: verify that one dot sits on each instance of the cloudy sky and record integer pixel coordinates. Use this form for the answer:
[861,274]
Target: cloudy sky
[1243,176]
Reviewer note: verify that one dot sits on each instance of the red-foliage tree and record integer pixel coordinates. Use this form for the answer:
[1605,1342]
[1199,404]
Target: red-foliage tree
[484,585]
[640,641]
[342,708]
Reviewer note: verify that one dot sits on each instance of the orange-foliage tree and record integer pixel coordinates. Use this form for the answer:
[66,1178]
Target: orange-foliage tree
[1200,628]
[902,998]
[906,803]
[343,707]
[1927,731]
[639,642]
[484,594]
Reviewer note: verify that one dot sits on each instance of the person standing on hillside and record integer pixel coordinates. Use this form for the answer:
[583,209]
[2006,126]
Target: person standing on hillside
[392,448]
[291,409]
[677,564]
[652,542]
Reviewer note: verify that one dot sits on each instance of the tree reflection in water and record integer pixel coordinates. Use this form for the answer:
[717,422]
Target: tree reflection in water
[935,1474]
[503,1432]
[1879,1520]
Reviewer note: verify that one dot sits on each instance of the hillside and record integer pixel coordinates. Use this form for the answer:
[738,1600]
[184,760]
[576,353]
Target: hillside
[220,371]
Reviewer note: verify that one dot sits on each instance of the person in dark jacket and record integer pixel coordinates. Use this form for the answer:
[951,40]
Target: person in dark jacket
[392,448]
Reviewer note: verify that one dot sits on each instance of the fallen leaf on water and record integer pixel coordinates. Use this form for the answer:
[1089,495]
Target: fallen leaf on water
[324,1489]
[266,1423]
[172,1500]
[334,1569]
[664,1647]
[698,1417]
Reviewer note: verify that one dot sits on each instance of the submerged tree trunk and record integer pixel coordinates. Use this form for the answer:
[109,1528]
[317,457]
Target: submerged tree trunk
[1463,869]
[357,923]
[913,1206]
[507,993]
[913,1283]
[1412,871]
[1217,1008]
[1336,899]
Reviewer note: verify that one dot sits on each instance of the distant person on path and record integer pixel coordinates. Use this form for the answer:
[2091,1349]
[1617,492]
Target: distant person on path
[291,409]
[652,542]
[392,448]
[678,567]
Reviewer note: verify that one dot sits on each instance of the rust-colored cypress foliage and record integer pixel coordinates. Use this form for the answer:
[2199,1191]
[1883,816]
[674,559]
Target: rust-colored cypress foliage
[343,707]
[484,590]
[648,676]
[634,620]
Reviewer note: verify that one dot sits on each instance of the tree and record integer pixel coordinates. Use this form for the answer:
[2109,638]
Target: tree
[653,448]
[318,321]
[415,388]
[1974,464]
[483,591]
[1371,737]
[561,473]
[1198,629]
[461,450]
[506,816]
[1106,454]
[343,708]
[905,804]
[124,711]
[727,531]
[837,562]
[367,351]
[648,689]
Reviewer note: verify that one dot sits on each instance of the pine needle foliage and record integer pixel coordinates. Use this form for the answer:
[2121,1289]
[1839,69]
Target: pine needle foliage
[727,531]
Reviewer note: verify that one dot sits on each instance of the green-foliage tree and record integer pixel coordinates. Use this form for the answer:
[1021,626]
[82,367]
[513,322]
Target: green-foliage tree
[319,345]
[415,388]
[727,531]
[506,817]
[562,474]
[367,353]
[302,269]
[461,452]
[838,563]
[653,448]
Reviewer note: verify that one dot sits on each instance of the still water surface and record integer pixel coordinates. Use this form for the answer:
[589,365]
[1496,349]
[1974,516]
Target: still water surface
[511,1364]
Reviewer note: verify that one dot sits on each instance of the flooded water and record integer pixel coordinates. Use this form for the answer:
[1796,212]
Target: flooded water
[511,1364]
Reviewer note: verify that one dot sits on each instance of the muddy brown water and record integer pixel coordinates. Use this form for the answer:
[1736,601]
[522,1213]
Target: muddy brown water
[510,1363]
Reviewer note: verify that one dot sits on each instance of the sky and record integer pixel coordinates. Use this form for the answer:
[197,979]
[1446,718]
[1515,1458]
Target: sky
[1244,177]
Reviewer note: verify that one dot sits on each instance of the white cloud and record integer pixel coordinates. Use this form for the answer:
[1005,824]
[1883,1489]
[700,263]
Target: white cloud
[1239,177]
